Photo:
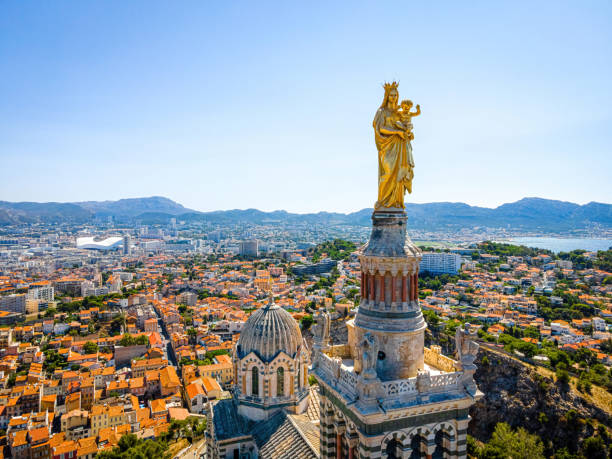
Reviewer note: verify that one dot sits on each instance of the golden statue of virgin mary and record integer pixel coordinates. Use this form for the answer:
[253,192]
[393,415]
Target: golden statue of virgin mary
[393,133]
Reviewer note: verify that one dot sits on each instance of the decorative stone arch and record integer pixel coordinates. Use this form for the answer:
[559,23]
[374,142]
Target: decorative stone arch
[255,388]
[419,440]
[285,362]
[351,439]
[247,373]
[395,445]
[444,441]
[280,381]
[339,428]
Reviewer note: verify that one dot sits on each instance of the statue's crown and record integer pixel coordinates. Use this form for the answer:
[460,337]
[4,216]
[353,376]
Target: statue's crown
[389,86]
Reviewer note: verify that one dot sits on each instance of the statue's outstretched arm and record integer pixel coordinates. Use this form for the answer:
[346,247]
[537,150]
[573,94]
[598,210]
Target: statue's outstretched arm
[391,132]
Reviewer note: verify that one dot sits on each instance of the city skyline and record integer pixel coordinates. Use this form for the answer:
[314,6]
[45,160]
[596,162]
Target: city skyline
[242,107]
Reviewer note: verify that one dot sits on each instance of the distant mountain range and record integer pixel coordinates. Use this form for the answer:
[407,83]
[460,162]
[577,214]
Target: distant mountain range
[528,214]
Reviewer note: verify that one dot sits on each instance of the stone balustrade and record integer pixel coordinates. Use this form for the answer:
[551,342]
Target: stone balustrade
[346,381]
[343,380]
[399,387]
[444,380]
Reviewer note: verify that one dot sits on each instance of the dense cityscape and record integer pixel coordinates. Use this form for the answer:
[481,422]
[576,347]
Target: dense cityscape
[108,331]
[302,230]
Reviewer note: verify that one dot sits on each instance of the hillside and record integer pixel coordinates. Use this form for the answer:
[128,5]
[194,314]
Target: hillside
[519,395]
[134,206]
[49,212]
[528,214]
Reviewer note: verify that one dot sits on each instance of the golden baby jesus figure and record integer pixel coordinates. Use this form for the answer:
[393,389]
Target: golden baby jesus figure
[406,115]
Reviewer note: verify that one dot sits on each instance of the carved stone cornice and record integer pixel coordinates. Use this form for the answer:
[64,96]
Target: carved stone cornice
[394,265]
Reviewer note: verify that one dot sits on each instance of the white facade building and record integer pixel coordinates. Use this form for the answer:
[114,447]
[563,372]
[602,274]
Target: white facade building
[599,324]
[46,293]
[13,303]
[441,263]
[249,248]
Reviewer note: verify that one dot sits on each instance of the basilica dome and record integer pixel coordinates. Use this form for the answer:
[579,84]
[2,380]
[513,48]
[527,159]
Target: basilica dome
[269,331]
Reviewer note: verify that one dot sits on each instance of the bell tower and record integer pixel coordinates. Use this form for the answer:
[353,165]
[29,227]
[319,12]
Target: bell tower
[389,307]
[384,394]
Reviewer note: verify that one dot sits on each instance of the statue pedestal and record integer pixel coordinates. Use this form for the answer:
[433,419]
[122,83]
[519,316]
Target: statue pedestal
[389,308]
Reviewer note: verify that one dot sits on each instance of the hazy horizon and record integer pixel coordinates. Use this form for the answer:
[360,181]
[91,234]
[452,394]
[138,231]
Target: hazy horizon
[270,105]
[298,212]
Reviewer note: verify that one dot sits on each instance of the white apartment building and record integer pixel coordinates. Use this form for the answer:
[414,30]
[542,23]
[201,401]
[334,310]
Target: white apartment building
[13,303]
[559,327]
[249,248]
[441,263]
[599,324]
[46,293]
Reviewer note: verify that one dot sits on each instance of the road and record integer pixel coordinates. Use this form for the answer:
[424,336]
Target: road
[168,352]
[194,451]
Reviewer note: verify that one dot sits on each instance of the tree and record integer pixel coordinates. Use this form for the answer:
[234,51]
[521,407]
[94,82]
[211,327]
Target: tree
[563,377]
[127,340]
[606,346]
[517,444]
[306,322]
[192,333]
[531,332]
[594,448]
[117,324]
[90,347]
[130,446]
[431,318]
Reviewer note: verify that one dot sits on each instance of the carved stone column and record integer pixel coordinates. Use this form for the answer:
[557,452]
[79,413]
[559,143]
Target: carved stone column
[380,288]
[340,428]
[352,440]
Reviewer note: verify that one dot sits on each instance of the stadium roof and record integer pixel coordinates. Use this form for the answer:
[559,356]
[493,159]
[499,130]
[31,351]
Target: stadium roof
[105,244]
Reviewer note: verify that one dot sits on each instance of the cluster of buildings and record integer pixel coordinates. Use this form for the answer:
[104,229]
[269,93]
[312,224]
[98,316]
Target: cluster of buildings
[100,342]
[100,339]
[505,297]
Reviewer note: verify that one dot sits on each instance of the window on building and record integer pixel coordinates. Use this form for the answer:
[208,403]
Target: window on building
[255,381]
[280,381]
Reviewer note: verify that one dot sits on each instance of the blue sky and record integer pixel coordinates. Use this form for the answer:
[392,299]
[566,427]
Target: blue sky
[222,105]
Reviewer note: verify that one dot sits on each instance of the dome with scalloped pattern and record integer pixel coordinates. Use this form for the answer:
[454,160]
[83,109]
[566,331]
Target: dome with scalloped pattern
[269,331]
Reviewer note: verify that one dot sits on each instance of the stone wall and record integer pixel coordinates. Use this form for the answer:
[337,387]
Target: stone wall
[124,354]
[434,358]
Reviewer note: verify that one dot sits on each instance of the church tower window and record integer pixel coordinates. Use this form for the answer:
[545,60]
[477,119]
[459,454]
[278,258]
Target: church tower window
[280,382]
[255,381]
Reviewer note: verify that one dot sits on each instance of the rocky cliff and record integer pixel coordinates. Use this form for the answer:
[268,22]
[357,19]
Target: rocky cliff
[516,394]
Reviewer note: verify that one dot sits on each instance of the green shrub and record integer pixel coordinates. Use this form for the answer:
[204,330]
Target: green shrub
[563,377]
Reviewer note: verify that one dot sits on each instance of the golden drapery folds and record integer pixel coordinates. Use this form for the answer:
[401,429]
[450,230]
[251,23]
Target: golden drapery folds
[393,133]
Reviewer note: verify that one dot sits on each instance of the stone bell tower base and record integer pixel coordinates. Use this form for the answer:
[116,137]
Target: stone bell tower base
[389,305]
[384,395]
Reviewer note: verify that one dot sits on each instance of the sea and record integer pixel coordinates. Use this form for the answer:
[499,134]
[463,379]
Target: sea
[558,244]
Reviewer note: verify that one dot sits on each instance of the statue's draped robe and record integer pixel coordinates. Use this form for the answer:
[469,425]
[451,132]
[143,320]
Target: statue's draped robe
[394,161]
